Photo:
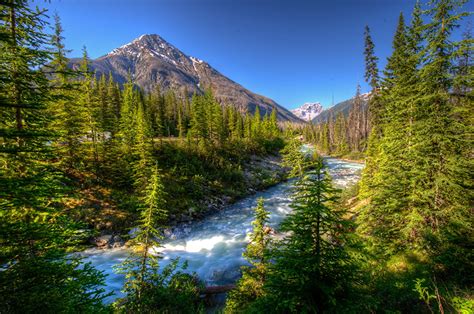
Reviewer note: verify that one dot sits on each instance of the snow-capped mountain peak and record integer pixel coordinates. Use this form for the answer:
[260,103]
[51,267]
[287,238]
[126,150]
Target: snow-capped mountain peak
[308,111]
[150,60]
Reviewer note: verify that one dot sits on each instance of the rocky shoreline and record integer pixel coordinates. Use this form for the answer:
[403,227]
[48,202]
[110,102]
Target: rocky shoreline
[260,173]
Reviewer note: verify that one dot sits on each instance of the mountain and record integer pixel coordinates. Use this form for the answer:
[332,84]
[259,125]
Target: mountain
[151,60]
[344,107]
[308,111]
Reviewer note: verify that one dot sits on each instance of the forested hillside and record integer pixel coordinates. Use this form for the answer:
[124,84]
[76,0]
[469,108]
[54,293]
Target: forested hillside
[78,154]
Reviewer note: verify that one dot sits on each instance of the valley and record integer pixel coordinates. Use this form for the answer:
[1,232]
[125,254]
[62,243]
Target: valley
[212,247]
[140,179]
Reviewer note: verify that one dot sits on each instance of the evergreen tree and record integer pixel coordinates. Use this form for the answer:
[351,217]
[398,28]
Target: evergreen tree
[69,116]
[88,101]
[313,265]
[141,268]
[391,180]
[418,196]
[181,123]
[375,109]
[256,123]
[157,111]
[36,272]
[341,135]
[250,286]
[440,198]
[371,69]
[273,128]
[147,290]
[127,116]
[198,118]
[143,146]
[294,158]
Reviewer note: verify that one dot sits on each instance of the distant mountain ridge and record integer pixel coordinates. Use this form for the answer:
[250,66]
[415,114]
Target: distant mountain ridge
[151,60]
[344,107]
[308,111]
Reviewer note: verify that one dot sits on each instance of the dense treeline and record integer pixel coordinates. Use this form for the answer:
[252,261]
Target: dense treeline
[418,178]
[341,135]
[66,132]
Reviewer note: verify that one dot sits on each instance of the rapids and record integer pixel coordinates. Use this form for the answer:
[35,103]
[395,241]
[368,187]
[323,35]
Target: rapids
[213,246]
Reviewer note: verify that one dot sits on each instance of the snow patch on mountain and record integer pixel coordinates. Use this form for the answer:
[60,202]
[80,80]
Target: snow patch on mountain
[308,111]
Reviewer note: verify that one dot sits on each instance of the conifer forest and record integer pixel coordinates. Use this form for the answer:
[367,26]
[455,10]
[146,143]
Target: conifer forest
[167,197]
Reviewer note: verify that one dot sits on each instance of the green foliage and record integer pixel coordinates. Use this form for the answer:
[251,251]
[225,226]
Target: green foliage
[146,289]
[36,272]
[250,286]
[314,269]
[295,159]
[342,136]
[54,284]
[415,187]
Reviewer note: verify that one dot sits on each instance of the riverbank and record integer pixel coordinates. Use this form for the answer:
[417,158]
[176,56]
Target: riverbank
[351,157]
[258,173]
[213,246]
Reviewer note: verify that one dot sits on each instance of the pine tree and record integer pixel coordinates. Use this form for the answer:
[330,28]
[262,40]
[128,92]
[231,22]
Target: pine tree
[313,265]
[375,109]
[198,118]
[141,267]
[256,123]
[171,113]
[69,116]
[371,69]
[390,183]
[248,134]
[274,131]
[181,123]
[440,198]
[418,196]
[294,158]
[114,103]
[147,289]
[157,111]
[341,135]
[250,286]
[127,116]
[325,138]
[143,146]
[89,102]
[36,272]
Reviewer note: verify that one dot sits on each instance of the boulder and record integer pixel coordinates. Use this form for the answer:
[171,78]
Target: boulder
[103,241]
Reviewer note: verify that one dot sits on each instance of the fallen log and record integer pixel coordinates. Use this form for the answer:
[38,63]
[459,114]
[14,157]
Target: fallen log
[217,289]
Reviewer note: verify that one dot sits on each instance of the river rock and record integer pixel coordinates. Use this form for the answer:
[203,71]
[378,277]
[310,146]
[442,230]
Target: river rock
[117,241]
[103,241]
[133,232]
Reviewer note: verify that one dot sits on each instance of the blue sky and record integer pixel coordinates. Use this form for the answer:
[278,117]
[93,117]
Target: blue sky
[291,51]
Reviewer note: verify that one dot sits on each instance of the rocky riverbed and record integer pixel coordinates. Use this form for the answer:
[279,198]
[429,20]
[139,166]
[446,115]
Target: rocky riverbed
[213,246]
[260,172]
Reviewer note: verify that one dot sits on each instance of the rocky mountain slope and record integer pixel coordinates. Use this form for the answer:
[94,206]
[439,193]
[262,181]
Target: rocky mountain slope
[308,111]
[344,107]
[150,60]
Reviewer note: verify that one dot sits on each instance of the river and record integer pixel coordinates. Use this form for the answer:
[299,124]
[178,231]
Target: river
[213,246]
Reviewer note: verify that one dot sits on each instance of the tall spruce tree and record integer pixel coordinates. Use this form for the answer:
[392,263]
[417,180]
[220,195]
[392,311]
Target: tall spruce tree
[36,272]
[440,195]
[147,288]
[390,183]
[418,196]
[69,116]
[250,286]
[313,269]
